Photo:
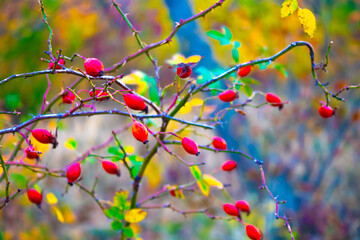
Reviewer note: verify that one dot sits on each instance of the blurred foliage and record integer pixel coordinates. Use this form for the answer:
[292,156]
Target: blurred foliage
[310,162]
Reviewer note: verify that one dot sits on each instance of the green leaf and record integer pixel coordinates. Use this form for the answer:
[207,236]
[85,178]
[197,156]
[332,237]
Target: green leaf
[281,68]
[153,91]
[71,144]
[116,151]
[114,213]
[116,225]
[236,44]
[263,66]
[12,101]
[247,90]
[224,37]
[215,34]
[128,232]
[196,172]
[227,33]
[120,199]
[247,80]
[19,179]
[288,7]
[235,55]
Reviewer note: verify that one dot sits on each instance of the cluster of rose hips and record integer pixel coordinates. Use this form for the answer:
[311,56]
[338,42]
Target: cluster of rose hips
[235,210]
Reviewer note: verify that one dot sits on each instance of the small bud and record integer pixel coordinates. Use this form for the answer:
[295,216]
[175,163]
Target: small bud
[31,153]
[244,71]
[229,165]
[140,132]
[73,173]
[111,168]
[190,146]
[230,209]
[94,67]
[219,143]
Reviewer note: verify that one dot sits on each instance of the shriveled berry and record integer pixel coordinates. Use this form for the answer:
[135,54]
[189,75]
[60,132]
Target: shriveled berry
[325,111]
[99,94]
[94,67]
[229,165]
[253,232]
[31,153]
[184,70]
[111,168]
[140,132]
[44,136]
[228,96]
[135,102]
[244,71]
[68,97]
[219,143]
[190,146]
[73,173]
[34,196]
[243,206]
[274,100]
[61,61]
[230,209]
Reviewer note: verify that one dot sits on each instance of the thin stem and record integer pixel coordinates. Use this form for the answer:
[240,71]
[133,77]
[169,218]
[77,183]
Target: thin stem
[48,27]
[6,179]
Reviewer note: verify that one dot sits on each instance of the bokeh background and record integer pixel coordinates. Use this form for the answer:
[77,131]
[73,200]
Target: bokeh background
[310,162]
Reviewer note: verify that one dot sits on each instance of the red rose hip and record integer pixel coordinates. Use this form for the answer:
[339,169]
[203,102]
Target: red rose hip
[243,206]
[73,173]
[219,143]
[253,232]
[244,71]
[111,168]
[274,100]
[183,70]
[228,96]
[44,136]
[68,97]
[34,196]
[31,153]
[325,111]
[140,132]
[61,61]
[135,102]
[230,209]
[229,165]
[190,146]
[94,67]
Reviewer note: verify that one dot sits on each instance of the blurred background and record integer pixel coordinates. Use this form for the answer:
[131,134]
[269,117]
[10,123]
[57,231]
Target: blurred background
[310,162]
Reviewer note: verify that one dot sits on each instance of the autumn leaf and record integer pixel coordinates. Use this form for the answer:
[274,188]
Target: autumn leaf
[135,215]
[308,21]
[288,7]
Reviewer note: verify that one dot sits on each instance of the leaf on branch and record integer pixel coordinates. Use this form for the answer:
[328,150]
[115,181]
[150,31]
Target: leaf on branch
[224,36]
[116,225]
[135,215]
[213,181]
[204,187]
[288,7]
[51,198]
[196,172]
[308,21]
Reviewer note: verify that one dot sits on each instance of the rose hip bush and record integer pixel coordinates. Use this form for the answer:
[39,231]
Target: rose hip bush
[145,119]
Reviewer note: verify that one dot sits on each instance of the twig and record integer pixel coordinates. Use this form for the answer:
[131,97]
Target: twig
[7,199]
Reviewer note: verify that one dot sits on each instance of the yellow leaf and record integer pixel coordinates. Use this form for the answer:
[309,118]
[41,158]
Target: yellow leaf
[193,59]
[308,21]
[71,144]
[212,181]
[40,147]
[58,214]
[204,187]
[129,149]
[136,78]
[176,59]
[51,198]
[288,7]
[135,215]
[185,109]
[196,102]
[68,214]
